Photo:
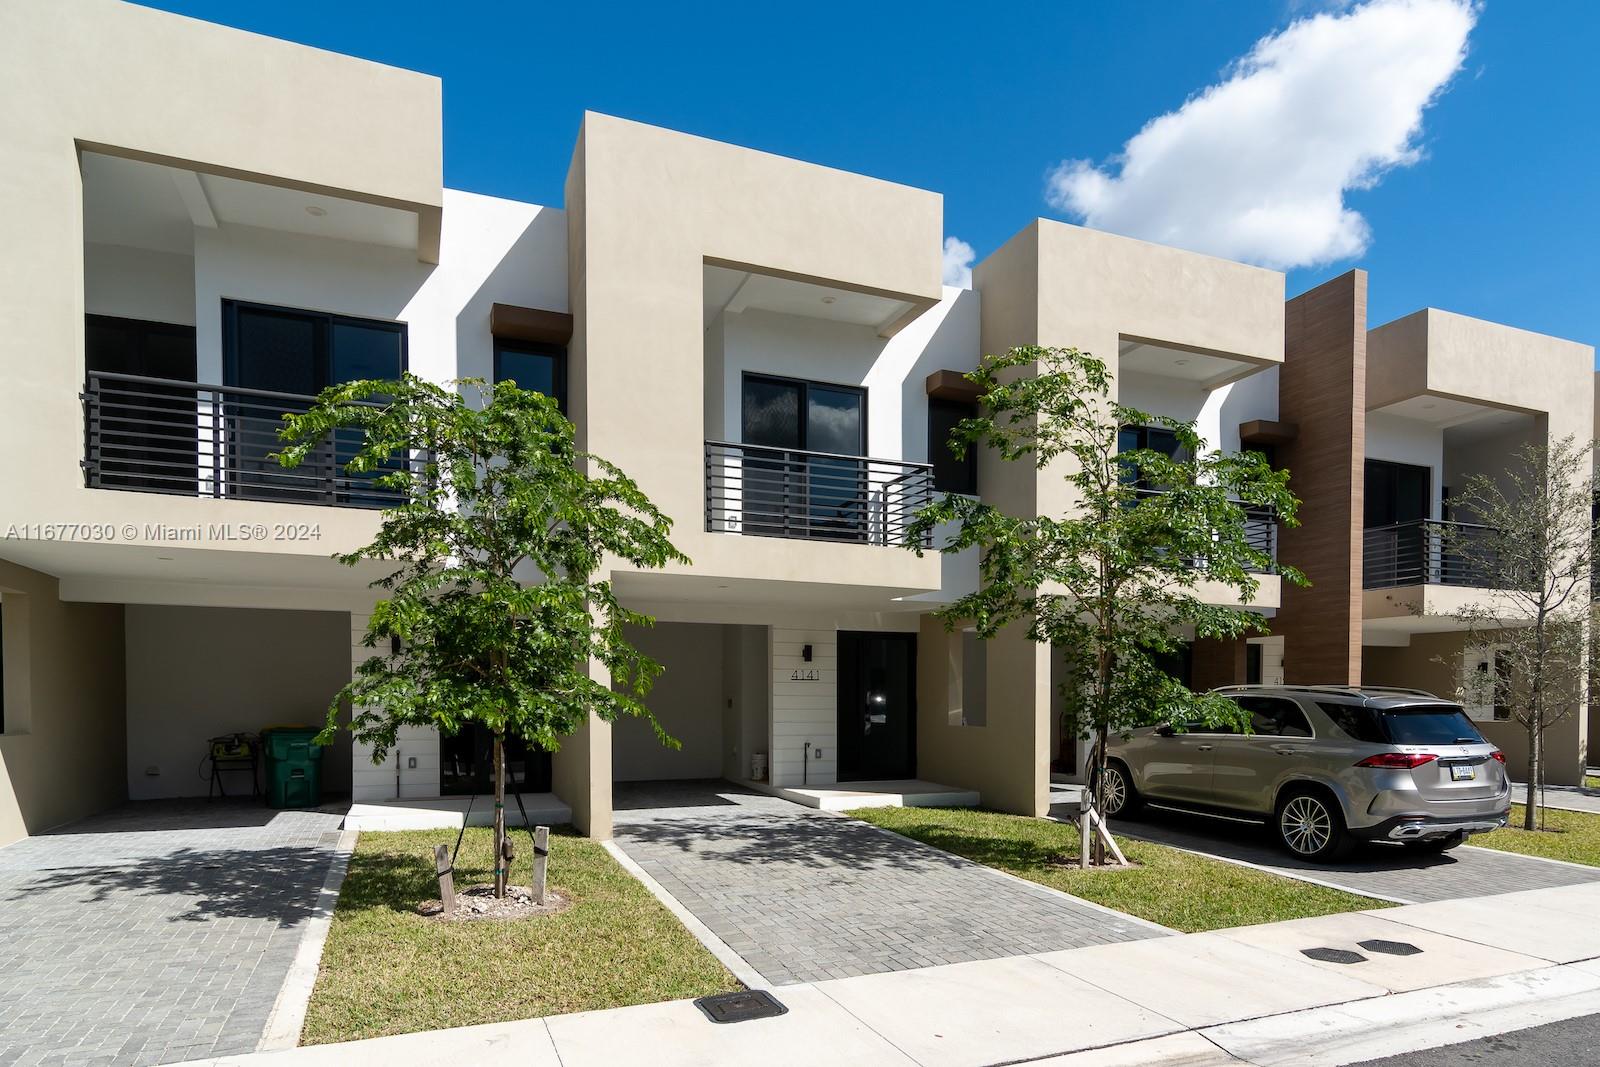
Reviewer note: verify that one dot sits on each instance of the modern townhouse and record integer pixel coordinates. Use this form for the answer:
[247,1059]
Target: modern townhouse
[209,226]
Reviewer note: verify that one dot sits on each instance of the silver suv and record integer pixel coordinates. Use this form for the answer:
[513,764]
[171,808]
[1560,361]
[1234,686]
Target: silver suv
[1327,765]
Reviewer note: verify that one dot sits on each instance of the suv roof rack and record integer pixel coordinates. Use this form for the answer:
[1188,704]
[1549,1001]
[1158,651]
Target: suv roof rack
[1343,690]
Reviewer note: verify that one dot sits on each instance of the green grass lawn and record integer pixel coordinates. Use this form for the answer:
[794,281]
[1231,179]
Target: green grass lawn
[1568,835]
[1170,887]
[388,970]
[1591,782]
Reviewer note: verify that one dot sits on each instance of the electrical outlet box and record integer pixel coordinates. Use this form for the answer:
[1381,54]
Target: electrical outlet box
[411,763]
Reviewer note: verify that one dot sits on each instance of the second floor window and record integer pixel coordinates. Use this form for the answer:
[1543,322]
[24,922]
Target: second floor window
[1153,438]
[950,473]
[285,350]
[540,368]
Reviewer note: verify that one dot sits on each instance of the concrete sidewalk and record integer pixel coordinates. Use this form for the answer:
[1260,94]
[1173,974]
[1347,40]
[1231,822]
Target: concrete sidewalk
[1413,977]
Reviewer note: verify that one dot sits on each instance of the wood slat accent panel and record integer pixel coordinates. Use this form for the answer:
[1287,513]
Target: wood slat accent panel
[1322,389]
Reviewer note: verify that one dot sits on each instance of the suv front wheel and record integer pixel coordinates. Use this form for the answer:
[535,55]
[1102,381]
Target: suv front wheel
[1121,798]
[1310,825]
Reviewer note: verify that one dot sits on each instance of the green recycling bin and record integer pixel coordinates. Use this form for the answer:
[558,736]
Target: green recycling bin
[293,766]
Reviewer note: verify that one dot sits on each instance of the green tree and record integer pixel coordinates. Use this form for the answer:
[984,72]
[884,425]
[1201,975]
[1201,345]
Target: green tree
[1113,581]
[494,599]
[1527,644]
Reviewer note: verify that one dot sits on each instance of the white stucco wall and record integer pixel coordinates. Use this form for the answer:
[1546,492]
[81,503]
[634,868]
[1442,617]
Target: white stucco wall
[1216,413]
[1400,440]
[137,283]
[492,250]
[893,371]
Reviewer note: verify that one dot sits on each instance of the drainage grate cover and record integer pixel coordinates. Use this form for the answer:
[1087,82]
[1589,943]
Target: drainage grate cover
[740,1007]
[1333,955]
[1391,948]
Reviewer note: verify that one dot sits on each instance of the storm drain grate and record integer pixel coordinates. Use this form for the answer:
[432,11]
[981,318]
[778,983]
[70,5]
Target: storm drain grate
[741,1007]
[1391,948]
[1333,955]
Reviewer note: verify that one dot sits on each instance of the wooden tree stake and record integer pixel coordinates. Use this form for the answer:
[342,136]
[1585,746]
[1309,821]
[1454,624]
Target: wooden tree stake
[447,878]
[541,856]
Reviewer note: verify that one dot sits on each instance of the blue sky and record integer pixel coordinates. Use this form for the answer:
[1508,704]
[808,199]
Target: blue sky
[1491,209]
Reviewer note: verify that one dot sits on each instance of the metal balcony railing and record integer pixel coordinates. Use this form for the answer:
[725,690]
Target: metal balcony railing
[787,492]
[1260,528]
[157,435]
[1426,552]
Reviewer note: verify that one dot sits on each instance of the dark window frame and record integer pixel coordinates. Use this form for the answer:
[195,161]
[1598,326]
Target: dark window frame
[1279,702]
[557,354]
[805,384]
[323,355]
[939,451]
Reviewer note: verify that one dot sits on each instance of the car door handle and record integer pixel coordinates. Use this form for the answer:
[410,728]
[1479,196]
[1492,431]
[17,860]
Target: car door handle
[1286,750]
[1202,748]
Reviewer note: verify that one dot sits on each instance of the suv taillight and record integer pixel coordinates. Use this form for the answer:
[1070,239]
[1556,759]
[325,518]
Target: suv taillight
[1400,761]
[1498,755]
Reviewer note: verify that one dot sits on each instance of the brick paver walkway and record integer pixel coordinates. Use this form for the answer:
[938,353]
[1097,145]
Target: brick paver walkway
[805,896]
[1386,871]
[158,932]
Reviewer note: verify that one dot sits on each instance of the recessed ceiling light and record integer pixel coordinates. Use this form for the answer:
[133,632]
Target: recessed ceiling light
[167,558]
[1429,405]
[316,212]
[1180,363]
[829,299]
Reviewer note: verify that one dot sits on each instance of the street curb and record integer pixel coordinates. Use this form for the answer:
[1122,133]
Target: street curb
[730,959]
[1543,859]
[294,996]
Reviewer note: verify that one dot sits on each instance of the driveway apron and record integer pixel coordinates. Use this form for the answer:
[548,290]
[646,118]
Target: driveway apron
[158,932]
[804,895]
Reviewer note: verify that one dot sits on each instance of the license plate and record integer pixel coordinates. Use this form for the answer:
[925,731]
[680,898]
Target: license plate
[1462,772]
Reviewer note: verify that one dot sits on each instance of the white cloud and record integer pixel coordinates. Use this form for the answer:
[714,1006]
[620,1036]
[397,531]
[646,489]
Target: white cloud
[958,257]
[1255,167]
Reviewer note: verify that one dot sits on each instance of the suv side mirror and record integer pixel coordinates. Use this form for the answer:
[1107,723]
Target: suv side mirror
[1165,730]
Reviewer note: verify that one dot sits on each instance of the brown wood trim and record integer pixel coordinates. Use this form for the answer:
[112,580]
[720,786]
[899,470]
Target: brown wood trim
[951,385]
[1267,432]
[530,324]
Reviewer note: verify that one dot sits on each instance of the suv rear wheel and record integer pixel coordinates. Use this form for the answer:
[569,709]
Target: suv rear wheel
[1310,825]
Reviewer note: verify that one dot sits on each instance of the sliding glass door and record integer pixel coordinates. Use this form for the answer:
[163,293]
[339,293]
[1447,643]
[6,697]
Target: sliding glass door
[801,473]
[288,351]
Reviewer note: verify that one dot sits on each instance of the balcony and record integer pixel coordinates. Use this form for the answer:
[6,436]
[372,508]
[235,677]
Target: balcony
[158,435]
[1260,528]
[819,496]
[1426,552]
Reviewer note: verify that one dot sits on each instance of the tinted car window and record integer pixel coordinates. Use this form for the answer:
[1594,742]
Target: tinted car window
[1434,724]
[1275,718]
[1360,724]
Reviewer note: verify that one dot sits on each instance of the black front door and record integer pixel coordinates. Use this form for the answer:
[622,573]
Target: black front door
[877,706]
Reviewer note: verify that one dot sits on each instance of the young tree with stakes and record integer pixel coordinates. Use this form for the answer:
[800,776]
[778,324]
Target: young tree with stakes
[1527,646]
[494,605]
[1113,581]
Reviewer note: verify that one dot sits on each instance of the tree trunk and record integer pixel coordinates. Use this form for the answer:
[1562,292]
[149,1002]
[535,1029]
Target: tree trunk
[499,813]
[1531,800]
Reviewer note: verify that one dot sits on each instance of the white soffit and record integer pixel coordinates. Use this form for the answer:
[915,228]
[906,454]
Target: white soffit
[733,291]
[1202,369]
[148,205]
[1463,419]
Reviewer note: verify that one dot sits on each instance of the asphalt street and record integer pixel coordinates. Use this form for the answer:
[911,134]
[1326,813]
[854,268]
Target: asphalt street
[1574,1041]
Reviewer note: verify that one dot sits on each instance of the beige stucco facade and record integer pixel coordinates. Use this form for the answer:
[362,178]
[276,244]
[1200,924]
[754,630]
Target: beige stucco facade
[826,277]
[125,80]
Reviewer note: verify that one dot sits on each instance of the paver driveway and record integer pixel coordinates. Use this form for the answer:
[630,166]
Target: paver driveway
[1387,871]
[803,895]
[157,932]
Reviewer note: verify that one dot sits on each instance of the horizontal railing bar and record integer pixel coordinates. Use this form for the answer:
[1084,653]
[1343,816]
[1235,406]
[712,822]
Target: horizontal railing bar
[230,390]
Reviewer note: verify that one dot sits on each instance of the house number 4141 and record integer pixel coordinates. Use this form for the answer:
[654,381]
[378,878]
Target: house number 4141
[808,674]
